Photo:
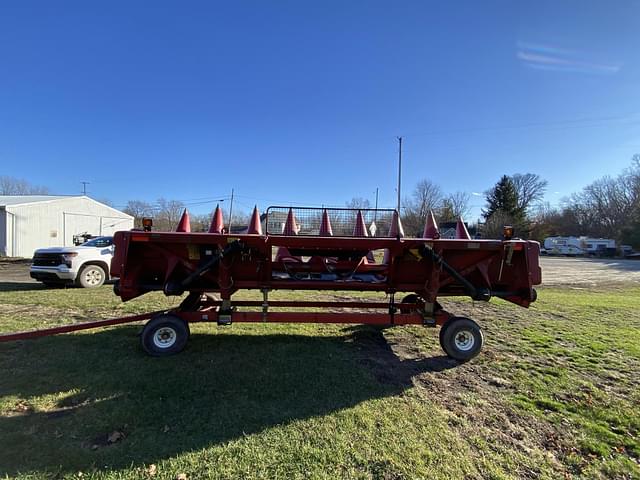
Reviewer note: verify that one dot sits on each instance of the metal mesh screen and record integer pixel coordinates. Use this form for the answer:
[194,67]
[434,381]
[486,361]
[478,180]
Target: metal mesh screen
[308,221]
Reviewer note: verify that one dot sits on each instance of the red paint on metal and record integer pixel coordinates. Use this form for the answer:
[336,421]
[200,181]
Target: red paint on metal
[360,228]
[74,327]
[314,304]
[291,225]
[185,224]
[325,225]
[145,266]
[217,223]
[290,228]
[395,231]
[461,230]
[309,317]
[431,227]
[255,227]
[139,238]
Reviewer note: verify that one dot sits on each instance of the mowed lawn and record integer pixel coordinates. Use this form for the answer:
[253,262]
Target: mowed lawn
[554,394]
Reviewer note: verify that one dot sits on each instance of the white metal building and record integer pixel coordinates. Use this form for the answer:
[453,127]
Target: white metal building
[29,222]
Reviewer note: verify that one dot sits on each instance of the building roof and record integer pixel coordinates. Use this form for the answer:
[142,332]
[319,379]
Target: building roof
[21,199]
[12,200]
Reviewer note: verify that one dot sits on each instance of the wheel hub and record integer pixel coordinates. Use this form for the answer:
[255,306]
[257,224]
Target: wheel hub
[93,277]
[164,337]
[464,340]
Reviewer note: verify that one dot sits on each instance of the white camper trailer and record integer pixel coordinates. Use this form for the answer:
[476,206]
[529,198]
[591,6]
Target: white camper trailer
[599,247]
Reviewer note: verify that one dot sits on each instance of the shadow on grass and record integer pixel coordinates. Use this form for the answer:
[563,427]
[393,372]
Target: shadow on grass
[23,286]
[27,286]
[223,386]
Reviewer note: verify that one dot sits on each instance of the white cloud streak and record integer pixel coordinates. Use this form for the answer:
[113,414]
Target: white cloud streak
[545,57]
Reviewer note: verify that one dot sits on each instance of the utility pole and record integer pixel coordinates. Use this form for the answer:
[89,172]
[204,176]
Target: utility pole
[374,226]
[84,188]
[399,170]
[375,213]
[231,211]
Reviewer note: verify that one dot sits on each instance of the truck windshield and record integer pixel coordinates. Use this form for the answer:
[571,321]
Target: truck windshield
[99,242]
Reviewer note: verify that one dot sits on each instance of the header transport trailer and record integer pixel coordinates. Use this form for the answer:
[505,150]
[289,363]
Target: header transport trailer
[318,249]
[322,249]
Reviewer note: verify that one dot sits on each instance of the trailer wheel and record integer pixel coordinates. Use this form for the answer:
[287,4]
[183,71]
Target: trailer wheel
[164,335]
[461,338]
[411,298]
[443,328]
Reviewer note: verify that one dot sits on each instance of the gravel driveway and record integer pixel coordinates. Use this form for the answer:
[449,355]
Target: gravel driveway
[585,272]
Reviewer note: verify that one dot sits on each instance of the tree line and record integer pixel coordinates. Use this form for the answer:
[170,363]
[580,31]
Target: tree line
[608,207]
[166,215]
[19,186]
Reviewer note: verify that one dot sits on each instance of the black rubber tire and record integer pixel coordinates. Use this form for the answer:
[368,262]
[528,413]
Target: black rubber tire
[442,330]
[461,338]
[176,334]
[91,276]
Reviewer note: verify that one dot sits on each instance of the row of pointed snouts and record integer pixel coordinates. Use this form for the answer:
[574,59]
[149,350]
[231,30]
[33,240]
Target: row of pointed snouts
[291,225]
[217,222]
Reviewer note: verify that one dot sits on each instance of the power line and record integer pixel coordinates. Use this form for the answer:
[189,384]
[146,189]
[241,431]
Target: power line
[585,122]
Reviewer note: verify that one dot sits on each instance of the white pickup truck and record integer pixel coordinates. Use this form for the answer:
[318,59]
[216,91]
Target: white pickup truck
[86,265]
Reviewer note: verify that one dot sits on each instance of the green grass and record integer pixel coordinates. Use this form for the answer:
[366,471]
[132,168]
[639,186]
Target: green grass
[554,394]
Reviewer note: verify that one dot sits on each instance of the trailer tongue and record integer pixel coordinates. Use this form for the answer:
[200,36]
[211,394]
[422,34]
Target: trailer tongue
[321,249]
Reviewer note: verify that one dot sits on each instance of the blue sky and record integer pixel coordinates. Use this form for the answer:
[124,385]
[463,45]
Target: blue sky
[301,102]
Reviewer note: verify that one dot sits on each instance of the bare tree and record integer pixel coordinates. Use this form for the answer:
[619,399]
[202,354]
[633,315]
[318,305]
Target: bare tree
[18,186]
[530,188]
[138,210]
[358,202]
[168,213]
[455,205]
[608,207]
[200,222]
[546,221]
[426,196]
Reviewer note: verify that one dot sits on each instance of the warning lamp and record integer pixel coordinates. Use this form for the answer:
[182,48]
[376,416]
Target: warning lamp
[507,232]
[147,223]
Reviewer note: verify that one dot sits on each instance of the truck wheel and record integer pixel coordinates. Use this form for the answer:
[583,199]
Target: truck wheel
[91,276]
[164,335]
[461,338]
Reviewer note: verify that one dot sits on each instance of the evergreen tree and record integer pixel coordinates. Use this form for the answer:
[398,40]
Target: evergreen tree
[503,197]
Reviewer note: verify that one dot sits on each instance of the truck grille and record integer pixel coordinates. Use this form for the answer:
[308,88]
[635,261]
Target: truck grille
[47,259]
